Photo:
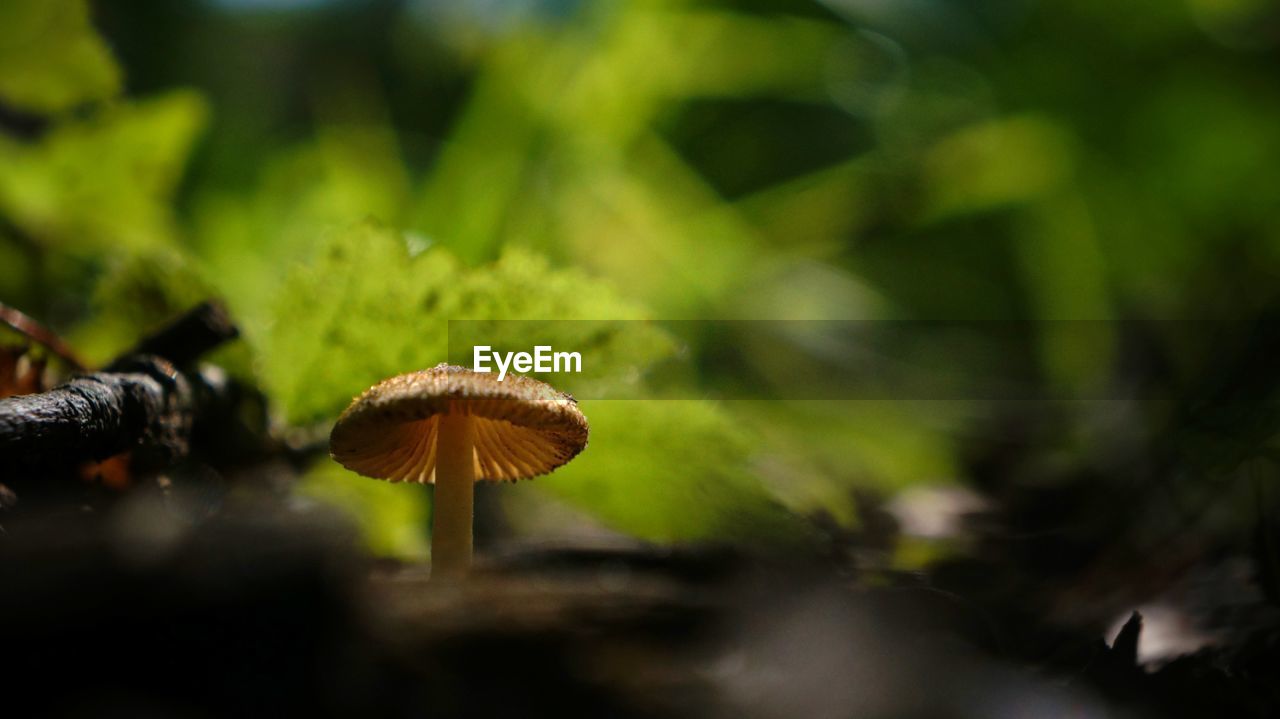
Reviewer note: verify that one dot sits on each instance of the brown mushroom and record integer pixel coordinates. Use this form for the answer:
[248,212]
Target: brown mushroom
[452,427]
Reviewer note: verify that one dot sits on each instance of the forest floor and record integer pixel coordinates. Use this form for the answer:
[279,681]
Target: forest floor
[262,615]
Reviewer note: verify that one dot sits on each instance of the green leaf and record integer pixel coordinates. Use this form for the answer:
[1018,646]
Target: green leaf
[104,182]
[50,57]
[249,240]
[831,446]
[137,294]
[373,304]
[393,518]
[354,316]
[368,308]
[671,470]
[998,164]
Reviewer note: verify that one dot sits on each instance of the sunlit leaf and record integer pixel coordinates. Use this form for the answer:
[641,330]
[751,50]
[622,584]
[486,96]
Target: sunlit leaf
[50,57]
[393,518]
[352,317]
[373,304]
[249,240]
[105,181]
[137,294]
[815,453]
[997,164]
[670,470]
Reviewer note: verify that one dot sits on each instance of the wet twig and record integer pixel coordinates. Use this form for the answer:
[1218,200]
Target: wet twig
[143,402]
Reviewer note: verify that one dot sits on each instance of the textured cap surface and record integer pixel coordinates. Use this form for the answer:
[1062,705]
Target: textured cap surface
[523,427]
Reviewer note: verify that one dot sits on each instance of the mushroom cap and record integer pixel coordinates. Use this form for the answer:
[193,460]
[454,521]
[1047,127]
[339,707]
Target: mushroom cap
[523,427]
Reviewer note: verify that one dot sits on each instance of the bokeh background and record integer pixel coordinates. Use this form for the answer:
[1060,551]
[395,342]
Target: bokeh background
[349,175]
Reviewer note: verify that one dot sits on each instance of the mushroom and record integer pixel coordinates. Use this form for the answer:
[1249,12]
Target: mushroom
[452,427]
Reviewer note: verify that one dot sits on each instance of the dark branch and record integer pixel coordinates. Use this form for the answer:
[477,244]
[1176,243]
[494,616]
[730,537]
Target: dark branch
[148,409]
[142,403]
[185,339]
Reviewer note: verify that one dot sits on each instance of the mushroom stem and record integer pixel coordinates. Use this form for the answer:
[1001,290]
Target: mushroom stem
[455,488]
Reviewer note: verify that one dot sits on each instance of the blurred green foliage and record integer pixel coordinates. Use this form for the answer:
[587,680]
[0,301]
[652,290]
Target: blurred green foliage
[391,517]
[52,58]
[349,176]
[104,182]
[138,293]
[687,469]
[383,300]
